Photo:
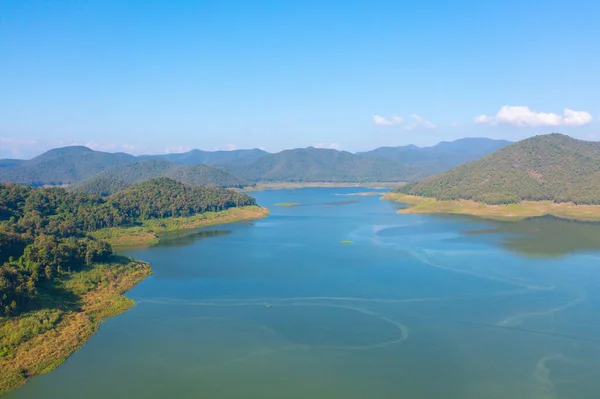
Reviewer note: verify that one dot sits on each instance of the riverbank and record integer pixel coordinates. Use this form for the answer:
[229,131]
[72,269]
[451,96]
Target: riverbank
[293,186]
[39,341]
[522,210]
[150,231]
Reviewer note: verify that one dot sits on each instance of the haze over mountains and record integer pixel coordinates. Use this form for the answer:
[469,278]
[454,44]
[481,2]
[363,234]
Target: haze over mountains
[548,167]
[439,157]
[113,171]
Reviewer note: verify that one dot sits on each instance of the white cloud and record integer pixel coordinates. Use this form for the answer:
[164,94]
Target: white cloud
[176,149]
[524,116]
[231,147]
[334,146]
[420,122]
[394,120]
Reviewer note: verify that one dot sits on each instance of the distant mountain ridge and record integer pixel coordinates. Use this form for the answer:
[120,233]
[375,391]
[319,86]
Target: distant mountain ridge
[552,167]
[440,157]
[210,157]
[321,165]
[65,165]
[76,164]
[118,178]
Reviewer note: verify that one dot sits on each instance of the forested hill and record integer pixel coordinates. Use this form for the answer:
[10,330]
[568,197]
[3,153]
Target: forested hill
[548,167]
[211,157]
[322,165]
[115,179]
[43,232]
[440,157]
[69,165]
[62,166]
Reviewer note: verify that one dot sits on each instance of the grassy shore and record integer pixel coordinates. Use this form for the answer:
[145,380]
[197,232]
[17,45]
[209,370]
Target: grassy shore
[149,232]
[522,210]
[292,186]
[39,341]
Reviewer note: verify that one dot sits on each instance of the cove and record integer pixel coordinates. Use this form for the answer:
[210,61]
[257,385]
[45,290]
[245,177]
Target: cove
[415,306]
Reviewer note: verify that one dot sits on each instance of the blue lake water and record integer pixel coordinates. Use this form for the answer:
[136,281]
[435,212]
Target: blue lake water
[416,306]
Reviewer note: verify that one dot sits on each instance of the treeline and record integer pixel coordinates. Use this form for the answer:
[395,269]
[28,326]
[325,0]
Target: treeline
[43,232]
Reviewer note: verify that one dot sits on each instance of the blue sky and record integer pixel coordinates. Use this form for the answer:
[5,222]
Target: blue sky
[157,76]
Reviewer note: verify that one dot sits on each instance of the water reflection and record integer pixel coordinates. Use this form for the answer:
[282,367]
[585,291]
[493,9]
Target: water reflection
[187,237]
[546,236]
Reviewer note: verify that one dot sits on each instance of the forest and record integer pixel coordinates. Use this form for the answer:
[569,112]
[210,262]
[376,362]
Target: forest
[44,232]
[551,167]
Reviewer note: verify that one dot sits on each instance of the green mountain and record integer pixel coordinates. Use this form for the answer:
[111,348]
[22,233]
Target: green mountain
[322,165]
[440,157]
[116,179]
[65,165]
[548,167]
[211,157]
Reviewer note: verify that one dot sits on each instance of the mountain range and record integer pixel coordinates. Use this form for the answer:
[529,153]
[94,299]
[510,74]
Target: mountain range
[79,165]
[118,178]
[548,167]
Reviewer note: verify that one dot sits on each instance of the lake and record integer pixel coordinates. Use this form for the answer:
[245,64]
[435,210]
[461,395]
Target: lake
[341,297]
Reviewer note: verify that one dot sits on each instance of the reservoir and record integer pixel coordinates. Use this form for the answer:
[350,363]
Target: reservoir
[341,297]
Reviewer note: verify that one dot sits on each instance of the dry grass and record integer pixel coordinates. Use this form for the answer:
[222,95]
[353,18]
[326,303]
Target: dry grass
[150,231]
[522,210]
[40,341]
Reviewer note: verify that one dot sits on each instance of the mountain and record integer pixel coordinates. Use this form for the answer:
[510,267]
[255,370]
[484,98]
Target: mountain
[441,157]
[118,178]
[63,166]
[548,167]
[7,163]
[323,165]
[211,157]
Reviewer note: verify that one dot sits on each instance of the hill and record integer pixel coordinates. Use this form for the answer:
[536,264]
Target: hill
[65,165]
[440,157]
[7,163]
[115,179]
[211,157]
[321,165]
[551,167]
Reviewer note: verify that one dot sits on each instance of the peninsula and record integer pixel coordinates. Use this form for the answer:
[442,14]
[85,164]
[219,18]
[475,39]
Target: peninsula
[59,277]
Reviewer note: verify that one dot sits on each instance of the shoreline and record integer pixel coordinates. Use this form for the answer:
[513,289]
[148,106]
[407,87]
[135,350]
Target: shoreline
[150,231]
[520,211]
[39,341]
[293,186]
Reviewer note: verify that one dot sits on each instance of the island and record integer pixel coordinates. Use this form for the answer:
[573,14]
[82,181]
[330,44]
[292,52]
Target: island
[59,277]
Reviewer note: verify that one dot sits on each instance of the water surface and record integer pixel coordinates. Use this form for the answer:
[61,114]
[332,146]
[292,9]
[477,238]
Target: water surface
[416,307]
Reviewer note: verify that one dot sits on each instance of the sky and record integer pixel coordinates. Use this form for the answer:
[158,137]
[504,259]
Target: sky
[149,76]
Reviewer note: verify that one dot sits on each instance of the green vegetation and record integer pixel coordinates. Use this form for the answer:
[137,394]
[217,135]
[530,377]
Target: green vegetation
[57,281]
[551,167]
[62,166]
[116,179]
[322,165]
[70,311]
[440,157]
[522,210]
[284,204]
[150,231]
[347,242]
